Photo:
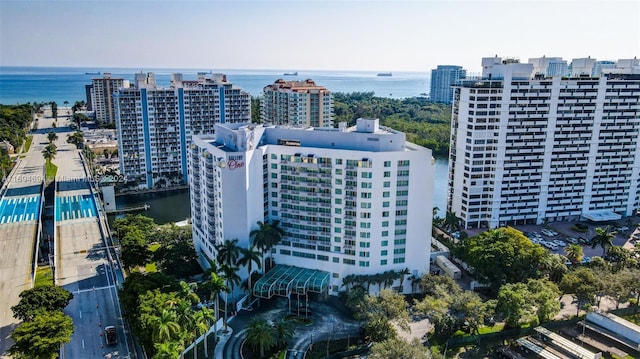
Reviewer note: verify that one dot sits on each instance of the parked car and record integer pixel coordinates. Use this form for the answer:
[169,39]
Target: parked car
[586,260]
[559,243]
[623,228]
[573,240]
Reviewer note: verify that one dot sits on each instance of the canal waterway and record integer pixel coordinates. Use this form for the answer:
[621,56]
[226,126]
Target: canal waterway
[173,206]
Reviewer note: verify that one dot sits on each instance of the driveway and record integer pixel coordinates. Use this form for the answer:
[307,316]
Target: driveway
[329,322]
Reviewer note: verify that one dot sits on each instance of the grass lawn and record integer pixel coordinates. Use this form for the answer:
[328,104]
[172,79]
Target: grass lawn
[27,144]
[43,276]
[51,171]
[493,329]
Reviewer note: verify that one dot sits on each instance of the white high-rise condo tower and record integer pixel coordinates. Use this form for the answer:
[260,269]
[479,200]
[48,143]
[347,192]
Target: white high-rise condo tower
[527,147]
[351,200]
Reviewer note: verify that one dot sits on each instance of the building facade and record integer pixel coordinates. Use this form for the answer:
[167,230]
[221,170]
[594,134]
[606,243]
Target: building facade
[442,78]
[155,124]
[528,149]
[297,103]
[351,200]
[102,101]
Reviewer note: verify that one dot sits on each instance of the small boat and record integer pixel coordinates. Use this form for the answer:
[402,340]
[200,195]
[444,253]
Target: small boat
[92,73]
[385,74]
[290,73]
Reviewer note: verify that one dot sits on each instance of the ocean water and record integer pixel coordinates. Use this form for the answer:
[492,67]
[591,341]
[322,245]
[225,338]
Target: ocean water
[60,84]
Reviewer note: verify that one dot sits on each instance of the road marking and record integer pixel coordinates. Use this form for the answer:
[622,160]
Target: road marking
[93,289]
[82,343]
[80,314]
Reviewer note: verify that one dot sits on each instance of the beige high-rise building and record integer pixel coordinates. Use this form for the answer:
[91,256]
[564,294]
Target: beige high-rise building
[297,103]
[102,100]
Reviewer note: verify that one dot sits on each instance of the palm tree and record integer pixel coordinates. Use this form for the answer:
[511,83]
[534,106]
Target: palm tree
[215,285]
[166,327]
[187,291]
[228,252]
[574,253]
[403,273]
[249,256]
[49,152]
[283,332]
[452,222]
[260,335]
[168,350]
[232,279]
[604,238]
[51,136]
[266,236]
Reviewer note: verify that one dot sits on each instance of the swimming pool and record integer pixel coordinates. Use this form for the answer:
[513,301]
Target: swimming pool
[75,207]
[19,209]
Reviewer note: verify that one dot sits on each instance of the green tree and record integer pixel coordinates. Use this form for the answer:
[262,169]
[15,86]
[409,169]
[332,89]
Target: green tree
[51,136]
[379,311]
[266,236]
[553,267]
[502,255]
[54,109]
[232,279]
[545,296]
[49,152]
[247,258]
[214,286]
[166,327]
[260,335]
[582,284]
[41,337]
[399,349]
[46,298]
[228,252]
[515,303]
[168,350]
[283,333]
[77,138]
[134,248]
[452,222]
[574,253]
[603,238]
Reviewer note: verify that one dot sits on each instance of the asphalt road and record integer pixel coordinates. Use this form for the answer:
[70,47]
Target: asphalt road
[82,263]
[17,239]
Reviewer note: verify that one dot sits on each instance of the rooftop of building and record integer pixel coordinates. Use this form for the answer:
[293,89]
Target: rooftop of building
[295,86]
[366,135]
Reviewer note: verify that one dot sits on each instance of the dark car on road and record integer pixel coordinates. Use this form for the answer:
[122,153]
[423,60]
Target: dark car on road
[110,335]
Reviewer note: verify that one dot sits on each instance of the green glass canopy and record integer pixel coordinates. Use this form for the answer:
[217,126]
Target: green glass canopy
[283,280]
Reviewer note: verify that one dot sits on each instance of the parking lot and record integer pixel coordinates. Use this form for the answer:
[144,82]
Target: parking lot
[560,234]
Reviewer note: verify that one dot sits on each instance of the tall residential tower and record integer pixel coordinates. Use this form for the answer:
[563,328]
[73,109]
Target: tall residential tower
[528,148]
[155,124]
[297,103]
[442,78]
[101,100]
[351,200]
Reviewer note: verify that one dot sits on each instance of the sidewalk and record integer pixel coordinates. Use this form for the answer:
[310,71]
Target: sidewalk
[224,337]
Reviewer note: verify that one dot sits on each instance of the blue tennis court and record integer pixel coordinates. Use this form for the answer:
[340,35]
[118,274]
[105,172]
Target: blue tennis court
[19,209]
[74,207]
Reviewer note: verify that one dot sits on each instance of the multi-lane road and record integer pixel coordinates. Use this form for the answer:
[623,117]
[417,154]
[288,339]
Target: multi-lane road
[20,208]
[83,264]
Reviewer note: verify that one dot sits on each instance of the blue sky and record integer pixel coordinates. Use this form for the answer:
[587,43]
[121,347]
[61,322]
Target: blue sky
[308,35]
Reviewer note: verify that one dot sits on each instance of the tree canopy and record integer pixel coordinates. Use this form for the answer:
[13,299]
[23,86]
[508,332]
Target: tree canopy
[503,255]
[399,349]
[40,299]
[41,337]
[425,123]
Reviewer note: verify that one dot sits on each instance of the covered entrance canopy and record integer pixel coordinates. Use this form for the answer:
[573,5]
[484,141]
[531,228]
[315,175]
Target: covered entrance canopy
[601,216]
[285,280]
